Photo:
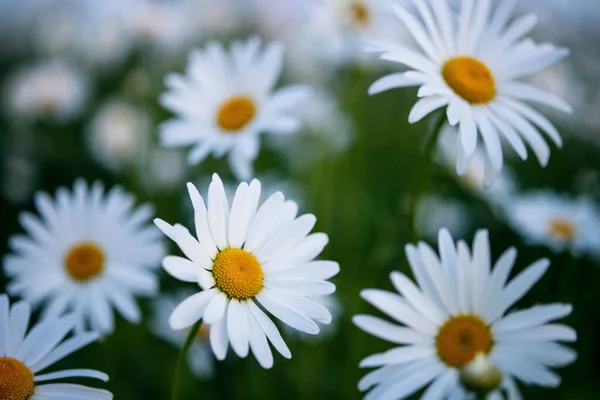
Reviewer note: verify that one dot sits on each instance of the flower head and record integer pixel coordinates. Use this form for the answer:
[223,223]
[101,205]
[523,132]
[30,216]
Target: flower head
[88,252]
[244,256]
[472,67]
[457,315]
[226,99]
[556,221]
[24,355]
[53,88]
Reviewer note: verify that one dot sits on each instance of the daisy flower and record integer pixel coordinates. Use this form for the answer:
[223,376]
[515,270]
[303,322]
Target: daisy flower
[117,133]
[472,67]
[244,256]
[454,321]
[53,88]
[88,252]
[226,99]
[24,355]
[199,356]
[556,221]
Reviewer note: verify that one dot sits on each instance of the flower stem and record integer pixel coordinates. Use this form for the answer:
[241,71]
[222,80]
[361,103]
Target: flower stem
[425,174]
[180,360]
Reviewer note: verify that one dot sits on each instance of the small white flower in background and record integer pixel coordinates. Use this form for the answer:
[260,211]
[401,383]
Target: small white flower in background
[52,88]
[227,99]
[322,36]
[556,221]
[434,211]
[454,329]
[199,356]
[88,252]
[98,34]
[117,133]
[24,355]
[497,194]
[472,68]
[327,131]
[244,256]
[167,27]
[162,169]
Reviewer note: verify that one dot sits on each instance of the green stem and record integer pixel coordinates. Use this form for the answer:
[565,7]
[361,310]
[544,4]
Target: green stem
[425,174]
[181,359]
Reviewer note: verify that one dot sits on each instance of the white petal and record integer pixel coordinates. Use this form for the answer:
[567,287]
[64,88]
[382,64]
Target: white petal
[258,340]
[287,314]
[270,330]
[425,106]
[391,81]
[237,328]
[215,309]
[191,309]
[397,308]
[391,332]
[218,212]
[243,211]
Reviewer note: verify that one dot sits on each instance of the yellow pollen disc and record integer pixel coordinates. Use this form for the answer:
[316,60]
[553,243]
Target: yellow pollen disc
[461,338]
[359,14]
[236,113]
[84,261]
[16,380]
[237,273]
[562,228]
[470,79]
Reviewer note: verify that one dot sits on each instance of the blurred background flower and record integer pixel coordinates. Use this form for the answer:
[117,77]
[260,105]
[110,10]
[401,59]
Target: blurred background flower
[80,84]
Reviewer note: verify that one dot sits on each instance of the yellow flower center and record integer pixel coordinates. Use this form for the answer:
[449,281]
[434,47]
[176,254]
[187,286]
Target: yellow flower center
[237,273]
[470,79]
[359,14]
[461,338]
[16,380]
[562,229]
[236,113]
[84,261]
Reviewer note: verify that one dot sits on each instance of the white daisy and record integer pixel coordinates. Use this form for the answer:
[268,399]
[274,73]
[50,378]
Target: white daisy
[53,88]
[226,100]
[88,252]
[24,355]
[454,321]
[117,133]
[556,221]
[472,67]
[199,356]
[245,256]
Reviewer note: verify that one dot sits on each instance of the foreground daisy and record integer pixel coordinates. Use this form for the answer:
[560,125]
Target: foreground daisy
[244,256]
[556,221]
[200,358]
[24,355]
[226,99]
[472,67]
[454,324]
[89,252]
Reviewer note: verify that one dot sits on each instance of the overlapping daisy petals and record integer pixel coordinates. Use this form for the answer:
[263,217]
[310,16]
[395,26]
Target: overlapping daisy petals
[461,281]
[43,345]
[282,244]
[484,34]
